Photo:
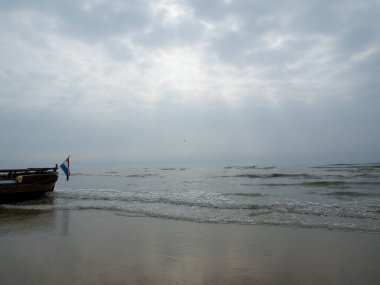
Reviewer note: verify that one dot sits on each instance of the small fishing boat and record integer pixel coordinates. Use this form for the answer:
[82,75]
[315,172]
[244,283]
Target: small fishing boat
[29,182]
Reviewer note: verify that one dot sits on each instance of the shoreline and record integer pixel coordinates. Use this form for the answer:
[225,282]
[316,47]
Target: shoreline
[101,246]
[5,211]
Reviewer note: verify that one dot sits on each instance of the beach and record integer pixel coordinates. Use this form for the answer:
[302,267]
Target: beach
[111,247]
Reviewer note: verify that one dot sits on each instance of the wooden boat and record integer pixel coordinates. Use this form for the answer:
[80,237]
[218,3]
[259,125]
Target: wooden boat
[29,182]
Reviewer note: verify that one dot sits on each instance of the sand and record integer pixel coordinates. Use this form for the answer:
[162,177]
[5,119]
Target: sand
[104,247]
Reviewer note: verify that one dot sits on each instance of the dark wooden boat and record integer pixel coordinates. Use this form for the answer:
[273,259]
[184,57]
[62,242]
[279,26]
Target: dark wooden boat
[29,182]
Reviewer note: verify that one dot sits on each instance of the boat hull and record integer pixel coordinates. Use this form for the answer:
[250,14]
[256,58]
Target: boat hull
[31,185]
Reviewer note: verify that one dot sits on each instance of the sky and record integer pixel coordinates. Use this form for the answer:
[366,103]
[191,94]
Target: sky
[189,82]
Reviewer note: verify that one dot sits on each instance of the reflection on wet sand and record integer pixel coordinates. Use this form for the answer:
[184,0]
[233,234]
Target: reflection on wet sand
[65,218]
[104,247]
[15,218]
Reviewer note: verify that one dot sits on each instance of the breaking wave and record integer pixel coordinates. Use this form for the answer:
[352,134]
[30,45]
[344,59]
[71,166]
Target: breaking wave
[213,207]
[245,194]
[268,175]
[191,199]
[352,194]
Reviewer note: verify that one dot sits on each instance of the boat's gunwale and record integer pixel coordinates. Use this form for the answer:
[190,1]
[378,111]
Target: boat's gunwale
[32,169]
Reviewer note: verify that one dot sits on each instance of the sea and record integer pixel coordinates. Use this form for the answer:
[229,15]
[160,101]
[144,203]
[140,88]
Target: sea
[344,197]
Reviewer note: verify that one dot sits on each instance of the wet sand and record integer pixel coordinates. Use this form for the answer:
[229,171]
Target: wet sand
[103,247]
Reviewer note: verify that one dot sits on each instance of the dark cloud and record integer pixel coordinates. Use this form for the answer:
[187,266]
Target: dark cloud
[89,20]
[162,35]
[104,20]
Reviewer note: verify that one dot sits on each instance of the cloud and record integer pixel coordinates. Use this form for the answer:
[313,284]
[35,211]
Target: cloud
[238,80]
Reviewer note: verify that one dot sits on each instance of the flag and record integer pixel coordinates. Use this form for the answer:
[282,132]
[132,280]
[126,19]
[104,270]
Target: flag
[66,167]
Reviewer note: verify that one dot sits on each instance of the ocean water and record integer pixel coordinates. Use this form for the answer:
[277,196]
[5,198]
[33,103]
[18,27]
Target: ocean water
[334,197]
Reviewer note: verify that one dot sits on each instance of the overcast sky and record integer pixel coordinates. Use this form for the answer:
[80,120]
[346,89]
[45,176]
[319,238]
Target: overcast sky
[189,82]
